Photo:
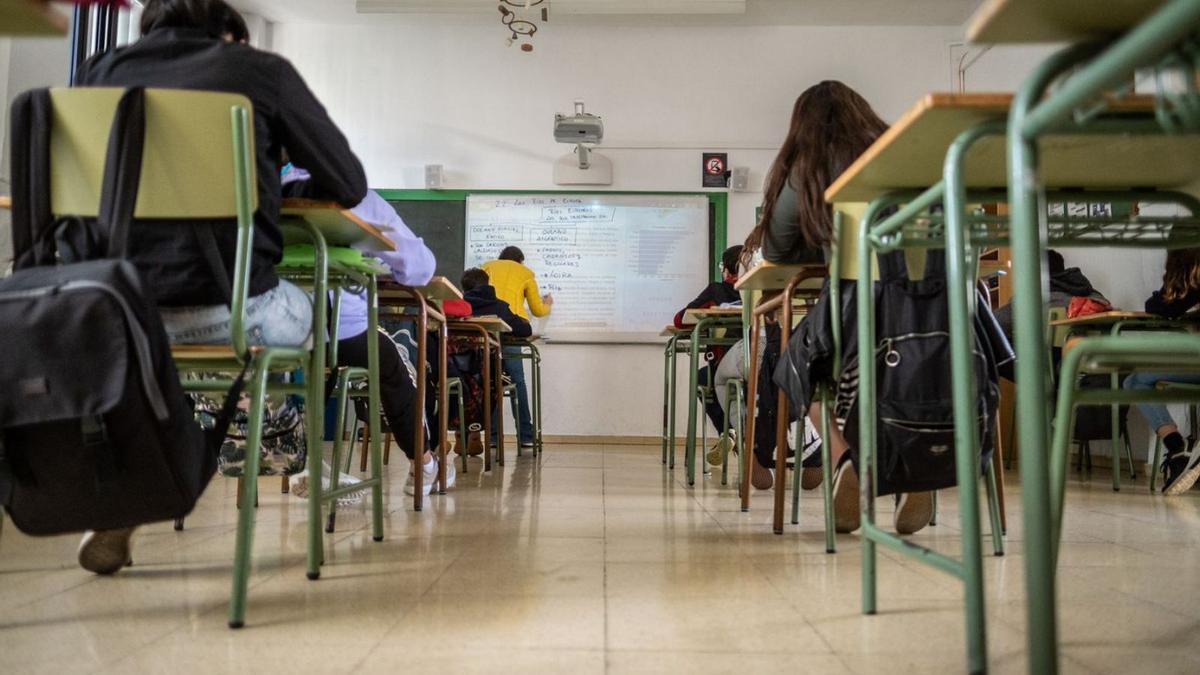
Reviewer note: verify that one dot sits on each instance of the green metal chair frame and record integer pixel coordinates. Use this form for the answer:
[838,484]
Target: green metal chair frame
[187,176]
[1097,68]
[703,335]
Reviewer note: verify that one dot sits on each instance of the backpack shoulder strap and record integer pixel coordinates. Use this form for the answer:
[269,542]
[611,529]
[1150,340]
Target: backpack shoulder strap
[892,266]
[30,162]
[935,264]
[123,170]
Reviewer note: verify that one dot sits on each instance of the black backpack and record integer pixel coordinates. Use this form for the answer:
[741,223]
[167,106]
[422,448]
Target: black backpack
[95,430]
[915,402]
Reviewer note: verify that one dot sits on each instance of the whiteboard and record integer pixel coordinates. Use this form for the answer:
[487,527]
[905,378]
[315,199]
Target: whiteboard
[619,266]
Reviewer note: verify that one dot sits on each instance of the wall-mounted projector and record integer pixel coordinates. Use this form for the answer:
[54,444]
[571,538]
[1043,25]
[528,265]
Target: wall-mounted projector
[583,130]
[582,127]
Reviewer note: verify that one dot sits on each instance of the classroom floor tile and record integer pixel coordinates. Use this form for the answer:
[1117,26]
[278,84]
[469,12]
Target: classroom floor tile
[596,559]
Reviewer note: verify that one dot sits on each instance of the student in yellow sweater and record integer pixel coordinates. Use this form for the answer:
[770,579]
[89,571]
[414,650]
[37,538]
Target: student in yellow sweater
[515,284]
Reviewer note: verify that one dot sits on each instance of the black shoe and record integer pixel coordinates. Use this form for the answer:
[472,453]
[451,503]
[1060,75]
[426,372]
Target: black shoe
[1180,472]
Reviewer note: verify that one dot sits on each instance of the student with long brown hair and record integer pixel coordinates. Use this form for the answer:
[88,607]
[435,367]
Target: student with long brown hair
[1180,293]
[832,126]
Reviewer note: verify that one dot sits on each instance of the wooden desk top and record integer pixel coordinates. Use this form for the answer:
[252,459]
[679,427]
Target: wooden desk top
[767,276]
[438,288]
[1109,318]
[1007,21]
[31,18]
[910,155]
[340,226]
[492,324]
[5,202]
[694,315]
[672,330]
[441,288]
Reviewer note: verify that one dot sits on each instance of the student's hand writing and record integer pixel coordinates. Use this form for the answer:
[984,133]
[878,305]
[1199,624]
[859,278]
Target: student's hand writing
[548,300]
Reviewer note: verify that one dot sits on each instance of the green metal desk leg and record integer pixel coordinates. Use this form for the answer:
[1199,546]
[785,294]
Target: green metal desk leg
[1031,369]
[1115,419]
[827,470]
[798,431]
[962,362]
[866,397]
[537,400]
[673,393]
[666,406]
[314,404]
[339,429]
[245,531]
[994,510]
[689,456]
[374,406]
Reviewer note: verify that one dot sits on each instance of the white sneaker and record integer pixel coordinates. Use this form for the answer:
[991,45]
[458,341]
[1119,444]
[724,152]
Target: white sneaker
[429,474]
[451,474]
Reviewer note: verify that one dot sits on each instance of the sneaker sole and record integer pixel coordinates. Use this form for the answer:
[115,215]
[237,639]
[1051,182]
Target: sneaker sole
[1184,482]
[106,551]
[846,515]
[914,512]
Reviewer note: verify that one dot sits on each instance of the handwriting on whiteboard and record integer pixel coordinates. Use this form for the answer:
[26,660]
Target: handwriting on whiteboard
[615,263]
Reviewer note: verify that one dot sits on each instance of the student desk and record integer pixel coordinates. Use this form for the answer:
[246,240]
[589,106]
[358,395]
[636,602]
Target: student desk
[706,332]
[417,304]
[341,227]
[327,224]
[527,350]
[786,282]
[1145,35]
[30,18]
[1016,21]
[488,330]
[922,161]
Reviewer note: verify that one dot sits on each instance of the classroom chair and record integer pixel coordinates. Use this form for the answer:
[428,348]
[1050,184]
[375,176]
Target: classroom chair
[198,164]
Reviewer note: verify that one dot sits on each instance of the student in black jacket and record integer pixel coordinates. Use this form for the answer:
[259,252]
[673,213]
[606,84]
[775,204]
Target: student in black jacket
[478,291]
[183,46]
[714,295]
[1179,294]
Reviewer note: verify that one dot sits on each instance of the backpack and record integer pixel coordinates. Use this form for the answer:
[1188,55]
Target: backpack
[914,399]
[95,430]
[1094,422]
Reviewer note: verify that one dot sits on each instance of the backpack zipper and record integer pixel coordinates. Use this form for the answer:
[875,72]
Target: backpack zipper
[141,343]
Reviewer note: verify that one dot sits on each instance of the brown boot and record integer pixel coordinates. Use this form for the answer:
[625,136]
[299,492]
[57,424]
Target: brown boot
[105,551]
[914,510]
[811,477]
[475,443]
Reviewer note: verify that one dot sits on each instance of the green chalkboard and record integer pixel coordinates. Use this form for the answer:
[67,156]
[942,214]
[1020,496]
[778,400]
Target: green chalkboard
[442,224]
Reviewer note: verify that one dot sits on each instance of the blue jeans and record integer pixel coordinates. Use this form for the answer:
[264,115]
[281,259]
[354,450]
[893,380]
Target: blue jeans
[281,317]
[515,370]
[1156,413]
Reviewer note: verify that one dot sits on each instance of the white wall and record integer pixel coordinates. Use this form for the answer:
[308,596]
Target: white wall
[456,96]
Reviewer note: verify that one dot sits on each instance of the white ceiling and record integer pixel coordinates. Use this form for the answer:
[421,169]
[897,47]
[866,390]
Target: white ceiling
[677,12]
